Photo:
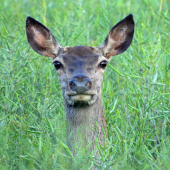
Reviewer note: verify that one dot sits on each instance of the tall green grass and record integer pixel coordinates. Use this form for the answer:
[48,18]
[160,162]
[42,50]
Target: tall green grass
[136,87]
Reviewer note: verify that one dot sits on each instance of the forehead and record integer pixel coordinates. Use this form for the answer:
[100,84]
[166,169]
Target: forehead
[80,55]
[80,50]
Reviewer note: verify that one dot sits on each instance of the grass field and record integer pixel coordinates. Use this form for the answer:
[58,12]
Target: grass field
[136,87]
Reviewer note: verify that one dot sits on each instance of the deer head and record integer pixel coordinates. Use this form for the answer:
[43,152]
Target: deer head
[80,68]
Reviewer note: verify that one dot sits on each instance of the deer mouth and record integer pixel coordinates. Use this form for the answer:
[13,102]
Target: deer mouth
[81,98]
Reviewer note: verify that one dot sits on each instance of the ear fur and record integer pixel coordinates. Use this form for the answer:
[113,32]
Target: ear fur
[119,38]
[41,39]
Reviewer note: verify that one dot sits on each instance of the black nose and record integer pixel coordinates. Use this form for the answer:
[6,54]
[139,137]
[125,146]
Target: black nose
[80,84]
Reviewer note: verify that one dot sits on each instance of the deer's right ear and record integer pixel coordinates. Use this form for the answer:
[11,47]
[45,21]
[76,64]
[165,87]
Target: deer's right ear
[41,39]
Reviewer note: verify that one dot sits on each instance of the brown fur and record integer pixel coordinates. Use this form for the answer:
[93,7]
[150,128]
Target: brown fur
[81,75]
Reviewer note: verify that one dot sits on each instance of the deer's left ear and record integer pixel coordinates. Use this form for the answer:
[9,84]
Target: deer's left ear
[119,38]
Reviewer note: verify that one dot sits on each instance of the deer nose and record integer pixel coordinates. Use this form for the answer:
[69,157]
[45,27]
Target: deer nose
[80,84]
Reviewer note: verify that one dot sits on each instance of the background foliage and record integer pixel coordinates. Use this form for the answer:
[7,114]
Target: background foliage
[136,87]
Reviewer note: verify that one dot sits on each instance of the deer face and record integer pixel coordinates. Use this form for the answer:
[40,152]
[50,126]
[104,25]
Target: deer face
[80,71]
[80,68]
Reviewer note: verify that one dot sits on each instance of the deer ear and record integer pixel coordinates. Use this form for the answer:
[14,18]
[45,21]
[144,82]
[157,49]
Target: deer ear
[119,37]
[41,39]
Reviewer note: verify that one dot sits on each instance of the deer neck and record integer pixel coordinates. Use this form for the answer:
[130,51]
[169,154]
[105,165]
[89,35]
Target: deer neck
[85,122]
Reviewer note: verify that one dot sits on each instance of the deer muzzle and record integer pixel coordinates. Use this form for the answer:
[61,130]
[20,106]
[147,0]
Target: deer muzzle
[80,85]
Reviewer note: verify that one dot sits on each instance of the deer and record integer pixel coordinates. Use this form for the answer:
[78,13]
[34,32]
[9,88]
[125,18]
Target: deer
[80,72]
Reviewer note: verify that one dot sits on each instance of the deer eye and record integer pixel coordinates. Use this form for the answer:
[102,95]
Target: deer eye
[57,65]
[103,64]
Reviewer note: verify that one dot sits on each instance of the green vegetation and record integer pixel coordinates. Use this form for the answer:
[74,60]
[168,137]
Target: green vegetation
[136,87]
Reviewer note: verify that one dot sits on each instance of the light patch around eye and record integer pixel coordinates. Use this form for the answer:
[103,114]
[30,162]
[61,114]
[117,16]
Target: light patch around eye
[58,59]
[81,97]
[102,58]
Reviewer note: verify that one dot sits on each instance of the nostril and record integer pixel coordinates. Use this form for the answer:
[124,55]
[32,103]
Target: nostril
[80,87]
[88,84]
[72,85]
